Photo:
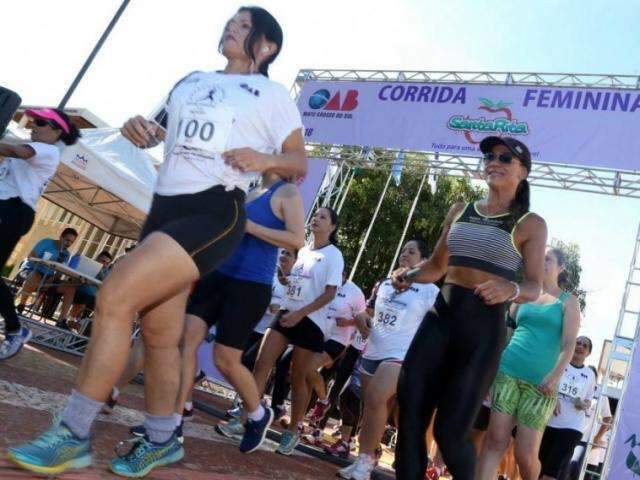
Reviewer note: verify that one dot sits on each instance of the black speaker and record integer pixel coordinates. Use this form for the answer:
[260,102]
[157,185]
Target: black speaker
[9,103]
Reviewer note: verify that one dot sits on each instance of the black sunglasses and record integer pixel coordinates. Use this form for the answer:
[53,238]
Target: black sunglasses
[43,123]
[505,158]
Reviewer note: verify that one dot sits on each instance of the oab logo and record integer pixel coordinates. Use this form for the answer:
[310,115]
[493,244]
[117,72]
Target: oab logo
[339,101]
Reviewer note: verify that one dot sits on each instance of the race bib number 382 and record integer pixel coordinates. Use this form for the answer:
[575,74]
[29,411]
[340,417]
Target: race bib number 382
[389,317]
[204,127]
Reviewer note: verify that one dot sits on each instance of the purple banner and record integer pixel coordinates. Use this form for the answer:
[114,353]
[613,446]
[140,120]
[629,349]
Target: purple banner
[310,185]
[625,457]
[594,127]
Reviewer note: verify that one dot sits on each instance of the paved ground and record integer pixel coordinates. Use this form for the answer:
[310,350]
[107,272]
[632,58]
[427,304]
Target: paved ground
[33,387]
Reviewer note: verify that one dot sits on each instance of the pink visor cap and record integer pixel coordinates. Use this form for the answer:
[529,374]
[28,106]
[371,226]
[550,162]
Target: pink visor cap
[49,114]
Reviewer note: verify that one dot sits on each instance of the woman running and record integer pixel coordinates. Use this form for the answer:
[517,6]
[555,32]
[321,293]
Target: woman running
[575,394]
[235,297]
[397,315]
[25,170]
[454,356]
[349,301]
[524,391]
[222,129]
[313,283]
[286,260]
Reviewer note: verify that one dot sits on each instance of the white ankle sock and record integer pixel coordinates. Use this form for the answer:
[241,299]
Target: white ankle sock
[178,419]
[257,414]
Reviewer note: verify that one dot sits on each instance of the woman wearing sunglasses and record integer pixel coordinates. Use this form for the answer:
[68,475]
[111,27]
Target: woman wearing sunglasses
[221,130]
[525,390]
[25,170]
[454,355]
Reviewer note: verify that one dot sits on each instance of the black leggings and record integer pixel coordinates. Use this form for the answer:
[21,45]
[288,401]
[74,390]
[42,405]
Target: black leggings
[350,410]
[343,368]
[450,365]
[16,218]
[250,354]
[281,380]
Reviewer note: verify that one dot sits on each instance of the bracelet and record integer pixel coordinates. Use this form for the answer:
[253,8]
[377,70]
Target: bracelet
[515,295]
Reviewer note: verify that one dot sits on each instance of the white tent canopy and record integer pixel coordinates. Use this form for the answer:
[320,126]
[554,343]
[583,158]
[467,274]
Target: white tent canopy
[105,180]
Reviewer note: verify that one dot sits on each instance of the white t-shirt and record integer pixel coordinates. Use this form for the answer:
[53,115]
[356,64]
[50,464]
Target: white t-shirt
[210,113]
[27,179]
[575,383]
[396,319]
[277,293]
[348,303]
[313,271]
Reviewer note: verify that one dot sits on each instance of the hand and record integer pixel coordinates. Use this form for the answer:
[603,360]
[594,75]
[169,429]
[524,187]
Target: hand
[139,131]
[291,319]
[581,404]
[363,324]
[495,292]
[274,308]
[599,441]
[246,160]
[343,322]
[549,385]
[398,279]
[556,409]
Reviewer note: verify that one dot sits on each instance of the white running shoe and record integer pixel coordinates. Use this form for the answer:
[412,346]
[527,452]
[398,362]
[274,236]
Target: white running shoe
[360,470]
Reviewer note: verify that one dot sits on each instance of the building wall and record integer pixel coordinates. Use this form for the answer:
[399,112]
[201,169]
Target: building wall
[51,220]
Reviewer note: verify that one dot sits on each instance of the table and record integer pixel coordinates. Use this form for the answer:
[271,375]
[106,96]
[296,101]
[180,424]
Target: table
[65,270]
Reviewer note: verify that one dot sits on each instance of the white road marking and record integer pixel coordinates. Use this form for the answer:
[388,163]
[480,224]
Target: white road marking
[23,396]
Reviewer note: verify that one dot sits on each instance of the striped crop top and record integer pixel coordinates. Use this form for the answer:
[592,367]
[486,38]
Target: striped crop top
[485,242]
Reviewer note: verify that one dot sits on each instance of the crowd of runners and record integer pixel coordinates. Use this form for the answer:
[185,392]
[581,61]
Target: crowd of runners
[420,364]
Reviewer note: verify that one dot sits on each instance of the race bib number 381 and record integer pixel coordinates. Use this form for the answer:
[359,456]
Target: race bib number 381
[204,127]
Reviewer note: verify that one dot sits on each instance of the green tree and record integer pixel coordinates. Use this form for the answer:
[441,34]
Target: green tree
[572,270]
[358,209]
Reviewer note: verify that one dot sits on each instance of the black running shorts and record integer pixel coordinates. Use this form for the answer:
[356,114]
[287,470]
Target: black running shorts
[234,306]
[209,225]
[305,334]
[333,348]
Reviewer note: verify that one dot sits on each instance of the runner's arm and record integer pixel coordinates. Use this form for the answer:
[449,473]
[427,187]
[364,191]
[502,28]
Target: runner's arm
[23,152]
[292,237]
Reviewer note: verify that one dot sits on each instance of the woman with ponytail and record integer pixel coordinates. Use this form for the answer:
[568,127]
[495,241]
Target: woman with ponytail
[455,353]
[25,170]
[303,319]
[525,390]
[221,129]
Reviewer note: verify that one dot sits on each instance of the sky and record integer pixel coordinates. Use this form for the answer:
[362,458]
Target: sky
[157,42]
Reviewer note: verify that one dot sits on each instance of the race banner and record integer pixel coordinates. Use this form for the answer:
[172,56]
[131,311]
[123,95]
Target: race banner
[593,127]
[625,456]
[310,184]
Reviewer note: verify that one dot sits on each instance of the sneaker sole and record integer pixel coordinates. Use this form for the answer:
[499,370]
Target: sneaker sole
[173,458]
[264,433]
[220,431]
[76,463]
[24,342]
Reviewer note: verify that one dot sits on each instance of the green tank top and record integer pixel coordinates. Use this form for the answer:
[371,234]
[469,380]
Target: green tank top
[535,344]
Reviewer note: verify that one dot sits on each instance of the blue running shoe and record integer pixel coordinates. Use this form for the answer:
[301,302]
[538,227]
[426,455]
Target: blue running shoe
[14,342]
[138,430]
[256,431]
[288,443]
[144,456]
[52,453]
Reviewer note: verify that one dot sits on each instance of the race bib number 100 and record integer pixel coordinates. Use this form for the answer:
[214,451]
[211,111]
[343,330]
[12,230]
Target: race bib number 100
[206,128]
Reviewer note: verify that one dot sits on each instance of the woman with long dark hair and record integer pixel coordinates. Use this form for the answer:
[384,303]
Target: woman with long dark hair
[524,393]
[302,320]
[221,130]
[396,318]
[25,170]
[454,355]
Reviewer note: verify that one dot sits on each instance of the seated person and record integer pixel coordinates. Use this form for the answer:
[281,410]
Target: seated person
[47,249]
[77,298]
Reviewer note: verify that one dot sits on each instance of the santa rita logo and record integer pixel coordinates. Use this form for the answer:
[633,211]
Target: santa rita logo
[633,462]
[503,124]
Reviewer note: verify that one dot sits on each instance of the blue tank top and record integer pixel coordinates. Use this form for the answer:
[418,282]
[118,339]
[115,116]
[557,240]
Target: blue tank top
[255,260]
